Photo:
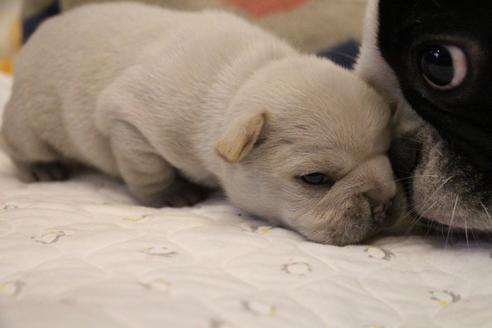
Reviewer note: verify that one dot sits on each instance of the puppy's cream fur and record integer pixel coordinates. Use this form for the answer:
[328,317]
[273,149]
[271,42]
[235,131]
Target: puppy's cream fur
[169,100]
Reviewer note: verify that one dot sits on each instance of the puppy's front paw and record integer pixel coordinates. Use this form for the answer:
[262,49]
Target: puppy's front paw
[180,194]
[43,172]
[186,197]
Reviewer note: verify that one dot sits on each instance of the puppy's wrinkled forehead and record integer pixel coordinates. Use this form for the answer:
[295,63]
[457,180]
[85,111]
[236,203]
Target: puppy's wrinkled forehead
[333,108]
[321,110]
[316,108]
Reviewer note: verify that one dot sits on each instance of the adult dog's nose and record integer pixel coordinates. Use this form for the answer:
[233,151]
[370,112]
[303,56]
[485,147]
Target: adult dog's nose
[404,156]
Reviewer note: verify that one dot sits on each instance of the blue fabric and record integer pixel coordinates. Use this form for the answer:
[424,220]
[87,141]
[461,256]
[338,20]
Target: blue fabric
[344,54]
[31,23]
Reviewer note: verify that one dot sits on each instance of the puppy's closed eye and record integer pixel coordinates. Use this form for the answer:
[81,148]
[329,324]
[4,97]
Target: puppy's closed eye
[317,179]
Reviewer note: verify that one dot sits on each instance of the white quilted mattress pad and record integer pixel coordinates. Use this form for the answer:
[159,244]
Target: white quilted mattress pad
[82,253]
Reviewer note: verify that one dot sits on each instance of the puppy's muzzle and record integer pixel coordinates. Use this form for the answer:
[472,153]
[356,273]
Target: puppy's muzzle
[358,206]
[380,188]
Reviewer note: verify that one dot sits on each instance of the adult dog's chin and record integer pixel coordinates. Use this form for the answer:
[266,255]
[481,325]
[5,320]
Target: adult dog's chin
[442,190]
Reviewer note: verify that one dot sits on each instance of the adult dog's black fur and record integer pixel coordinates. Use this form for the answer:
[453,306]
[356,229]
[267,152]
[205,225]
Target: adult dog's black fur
[433,59]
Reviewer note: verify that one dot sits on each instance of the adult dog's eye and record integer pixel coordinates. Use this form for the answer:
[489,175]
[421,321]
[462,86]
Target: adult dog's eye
[444,67]
[316,179]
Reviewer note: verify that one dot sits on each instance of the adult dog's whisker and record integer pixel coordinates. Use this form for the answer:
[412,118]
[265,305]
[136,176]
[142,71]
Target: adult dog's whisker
[430,227]
[466,233]
[486,212]
[417,176]
[419,217]
[430,198]
[451,221]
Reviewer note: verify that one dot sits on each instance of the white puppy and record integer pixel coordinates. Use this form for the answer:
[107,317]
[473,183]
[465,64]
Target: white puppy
[169,101]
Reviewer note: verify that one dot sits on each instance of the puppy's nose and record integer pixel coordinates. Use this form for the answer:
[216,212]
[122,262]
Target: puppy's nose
[380,205]
[380,187]
[380,212]
[377,186]
[380,201]
[404,156]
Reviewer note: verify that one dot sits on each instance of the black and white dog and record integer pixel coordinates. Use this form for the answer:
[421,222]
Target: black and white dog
[433,58]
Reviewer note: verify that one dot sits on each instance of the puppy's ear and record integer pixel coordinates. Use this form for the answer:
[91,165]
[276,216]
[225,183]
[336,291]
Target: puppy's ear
[240,137]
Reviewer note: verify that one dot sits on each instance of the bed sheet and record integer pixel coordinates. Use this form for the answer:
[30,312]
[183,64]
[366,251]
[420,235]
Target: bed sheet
[83,254]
